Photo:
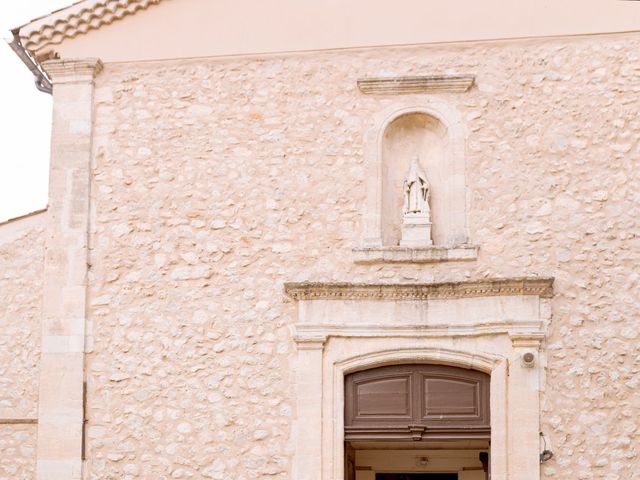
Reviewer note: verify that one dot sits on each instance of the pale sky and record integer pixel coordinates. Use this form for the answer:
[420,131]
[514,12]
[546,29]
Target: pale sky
[25,118]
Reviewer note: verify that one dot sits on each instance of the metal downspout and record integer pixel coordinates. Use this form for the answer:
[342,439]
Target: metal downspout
[42,82]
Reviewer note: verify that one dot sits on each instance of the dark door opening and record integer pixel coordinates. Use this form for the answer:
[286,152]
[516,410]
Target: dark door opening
[416,476]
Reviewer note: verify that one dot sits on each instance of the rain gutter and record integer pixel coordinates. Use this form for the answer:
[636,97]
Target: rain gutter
[41,80]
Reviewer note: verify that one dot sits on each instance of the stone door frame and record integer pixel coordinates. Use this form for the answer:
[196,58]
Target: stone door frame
[487,325]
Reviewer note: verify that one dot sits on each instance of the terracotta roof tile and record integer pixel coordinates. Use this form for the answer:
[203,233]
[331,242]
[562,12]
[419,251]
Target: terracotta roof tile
[76,19]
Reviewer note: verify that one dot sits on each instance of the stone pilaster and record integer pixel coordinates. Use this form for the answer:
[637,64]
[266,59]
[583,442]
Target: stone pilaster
[61,415]
[524,410]
[308,457]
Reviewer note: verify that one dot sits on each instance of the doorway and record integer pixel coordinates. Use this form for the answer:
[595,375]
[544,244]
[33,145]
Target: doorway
[417,422]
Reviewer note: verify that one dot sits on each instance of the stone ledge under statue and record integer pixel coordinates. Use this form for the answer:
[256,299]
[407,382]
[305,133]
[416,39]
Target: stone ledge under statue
[428,254]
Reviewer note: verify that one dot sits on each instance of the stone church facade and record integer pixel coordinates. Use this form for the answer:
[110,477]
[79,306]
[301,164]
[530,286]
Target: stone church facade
[264,257]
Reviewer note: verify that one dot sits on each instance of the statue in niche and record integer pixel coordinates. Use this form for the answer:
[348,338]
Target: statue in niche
[416,218]
[416,191]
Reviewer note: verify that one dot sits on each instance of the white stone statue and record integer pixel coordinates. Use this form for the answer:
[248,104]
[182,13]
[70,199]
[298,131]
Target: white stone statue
[416,213]
[416,191]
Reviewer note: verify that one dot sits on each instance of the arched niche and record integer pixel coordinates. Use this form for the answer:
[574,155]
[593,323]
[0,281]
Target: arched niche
[435,132]
[412,136]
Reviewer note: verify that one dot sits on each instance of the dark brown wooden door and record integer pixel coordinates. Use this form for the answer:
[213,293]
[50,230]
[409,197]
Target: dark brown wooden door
[419,402]
[416,476]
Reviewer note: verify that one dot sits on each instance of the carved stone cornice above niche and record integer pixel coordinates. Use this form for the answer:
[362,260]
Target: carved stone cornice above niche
[537,286]
[415,84]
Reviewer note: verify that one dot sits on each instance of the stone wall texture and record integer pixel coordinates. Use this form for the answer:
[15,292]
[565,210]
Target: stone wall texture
[18,447]
[216,180]
[21,269]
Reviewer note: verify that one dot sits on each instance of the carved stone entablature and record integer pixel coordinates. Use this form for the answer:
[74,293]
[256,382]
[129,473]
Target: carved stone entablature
[540,286]
[416,84]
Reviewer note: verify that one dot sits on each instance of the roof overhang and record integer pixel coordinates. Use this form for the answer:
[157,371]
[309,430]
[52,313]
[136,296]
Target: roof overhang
[217,28]
[33,41]
[81,17]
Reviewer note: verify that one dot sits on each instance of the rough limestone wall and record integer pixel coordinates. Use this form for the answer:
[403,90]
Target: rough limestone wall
[216,180]
[18,447]
[21,269]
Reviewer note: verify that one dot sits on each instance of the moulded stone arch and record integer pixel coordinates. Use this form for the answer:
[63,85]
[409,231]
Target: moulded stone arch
[482,362]
[453,225]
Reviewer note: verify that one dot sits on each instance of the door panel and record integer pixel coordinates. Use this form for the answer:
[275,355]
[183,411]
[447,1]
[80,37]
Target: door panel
[453,398]
[417,476]
[384,398]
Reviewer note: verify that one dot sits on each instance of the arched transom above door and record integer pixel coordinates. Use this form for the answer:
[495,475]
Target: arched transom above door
[416,402]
